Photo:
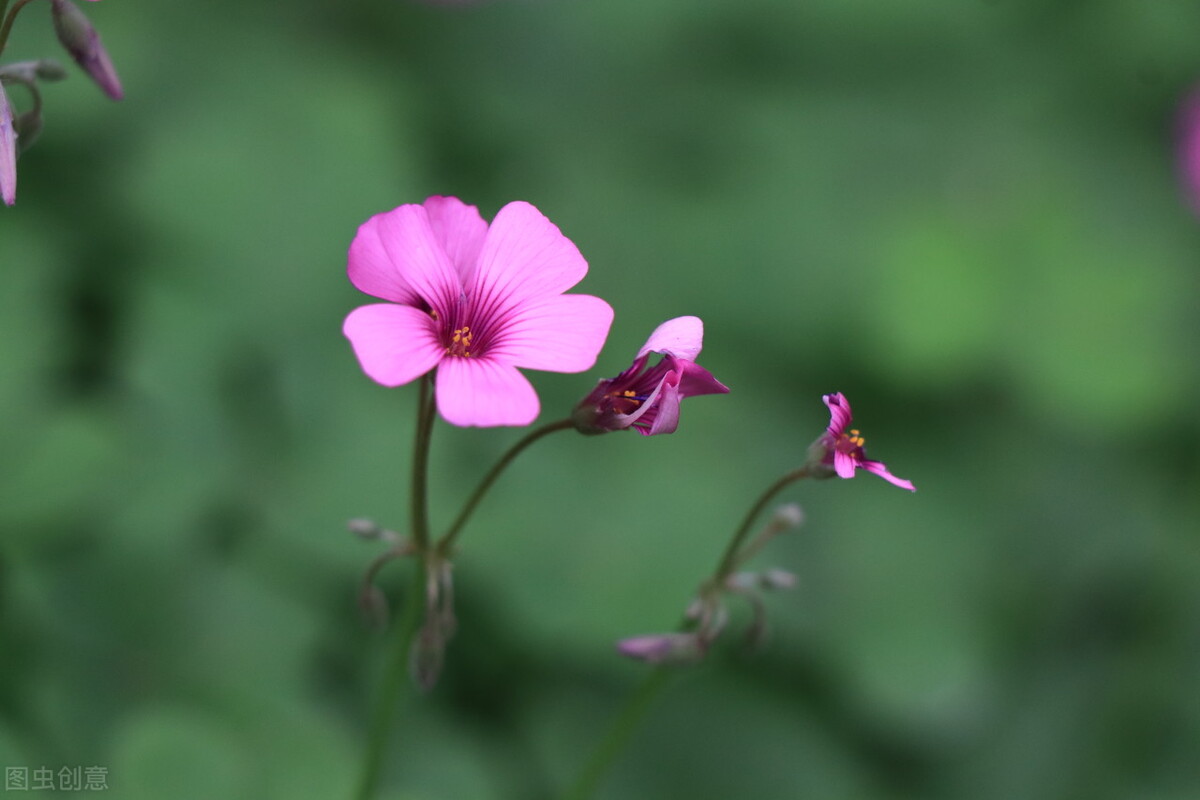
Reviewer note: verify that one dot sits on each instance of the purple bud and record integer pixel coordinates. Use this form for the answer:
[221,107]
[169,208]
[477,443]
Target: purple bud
[8,152]
[663,648]
[83,43]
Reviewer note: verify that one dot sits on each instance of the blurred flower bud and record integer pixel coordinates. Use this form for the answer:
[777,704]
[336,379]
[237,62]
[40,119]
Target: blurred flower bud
[664,648]
[427,656]
[778,579]
[374,606]
[8,152]
[47,69]
[29,71]
[789,515]
[28,125]
[1189,147]
[364,528]
[80,39]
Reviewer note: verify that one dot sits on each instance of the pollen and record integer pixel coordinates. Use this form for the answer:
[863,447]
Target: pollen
[460,342]
[856,438]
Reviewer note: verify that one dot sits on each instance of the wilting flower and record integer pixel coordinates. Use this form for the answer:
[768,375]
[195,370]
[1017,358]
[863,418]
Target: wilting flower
[648,399]
[8,152]
[1189,147]
[80,39]
[843,450]
[473,301]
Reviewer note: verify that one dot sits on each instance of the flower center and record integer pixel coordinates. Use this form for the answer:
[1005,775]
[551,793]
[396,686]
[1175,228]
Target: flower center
[851,441]
[460,343]
[625,402]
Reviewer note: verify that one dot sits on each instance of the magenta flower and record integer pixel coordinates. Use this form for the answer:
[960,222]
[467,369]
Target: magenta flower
[648,399]
[473,301]
[1189,148]
[8,152]
[843,450]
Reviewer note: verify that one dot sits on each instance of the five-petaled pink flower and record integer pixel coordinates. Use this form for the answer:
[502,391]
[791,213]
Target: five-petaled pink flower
[648,399]
[843,450]
[473,301]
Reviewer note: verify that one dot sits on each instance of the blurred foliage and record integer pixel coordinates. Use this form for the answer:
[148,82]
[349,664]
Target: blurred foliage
[964,215]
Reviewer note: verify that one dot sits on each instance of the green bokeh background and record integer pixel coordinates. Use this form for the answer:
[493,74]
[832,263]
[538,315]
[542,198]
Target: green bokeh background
[964,215]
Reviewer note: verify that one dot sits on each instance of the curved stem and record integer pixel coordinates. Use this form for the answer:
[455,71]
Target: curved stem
[395,680]
[445,544]
[618,735]
[729,560]
[8,21]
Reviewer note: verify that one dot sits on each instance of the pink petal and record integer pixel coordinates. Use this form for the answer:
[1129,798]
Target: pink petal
[394,343]
[877,468]
[843,464]
[484,392]
[8,153]
[560,333]
[667,419]
[460,231]
[696,380]
[397,257]
[524,258]
[680,337]
[839,414]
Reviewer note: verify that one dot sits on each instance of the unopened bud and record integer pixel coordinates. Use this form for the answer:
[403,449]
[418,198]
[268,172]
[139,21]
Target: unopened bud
[374,606]
[47,69]
[789,515]
[8,152]
[778,579]
[364,528]
[76,34]
[427,656]
[28,126]
[663,648]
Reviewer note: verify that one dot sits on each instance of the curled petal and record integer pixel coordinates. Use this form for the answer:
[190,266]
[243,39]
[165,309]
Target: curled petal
[878,468]
[681,337]
[839,413]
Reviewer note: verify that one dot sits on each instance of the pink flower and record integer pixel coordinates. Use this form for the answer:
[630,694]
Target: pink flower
[843,450]
[473,301]
[1189,147]
[648,399]
[8,152]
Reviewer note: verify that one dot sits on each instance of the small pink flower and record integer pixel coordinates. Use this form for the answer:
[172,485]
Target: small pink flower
[1189,147]
[648,399]
[473,301]
[8,152]
[843,450]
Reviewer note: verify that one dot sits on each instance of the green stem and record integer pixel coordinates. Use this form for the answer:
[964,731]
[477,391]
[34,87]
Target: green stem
[729,560]
[8,21]
[446,543]
[618,735]
[418,507]
[395,680]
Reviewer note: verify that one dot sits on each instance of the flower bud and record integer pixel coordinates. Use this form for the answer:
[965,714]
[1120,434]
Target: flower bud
[778,579]
[663,648]
[8,152]
[28,126]
[80,39]
[789,515]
